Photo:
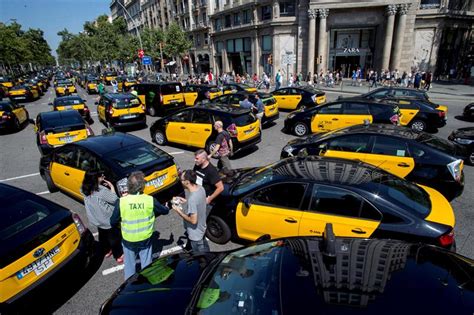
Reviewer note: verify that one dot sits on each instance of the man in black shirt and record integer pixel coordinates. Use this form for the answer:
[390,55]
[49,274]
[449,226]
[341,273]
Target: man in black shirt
[207,175]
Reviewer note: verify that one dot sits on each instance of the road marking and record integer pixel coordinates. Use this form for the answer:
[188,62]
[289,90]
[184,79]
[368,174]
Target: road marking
[168,251]
[18,177]
[43,192]
[176,152]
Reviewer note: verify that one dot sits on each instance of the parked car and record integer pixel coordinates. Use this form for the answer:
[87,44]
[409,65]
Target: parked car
[162,97]
[297,97]
[468,111]
[465,137]
[72,102]
[12,115]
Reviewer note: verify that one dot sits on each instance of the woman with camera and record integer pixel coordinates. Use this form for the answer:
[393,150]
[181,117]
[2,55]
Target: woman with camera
[99,200]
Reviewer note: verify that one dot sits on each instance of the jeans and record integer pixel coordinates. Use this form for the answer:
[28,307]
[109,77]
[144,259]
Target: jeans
[200,246]
[130,256]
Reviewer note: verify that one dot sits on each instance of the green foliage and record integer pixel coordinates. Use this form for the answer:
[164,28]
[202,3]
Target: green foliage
[176,41]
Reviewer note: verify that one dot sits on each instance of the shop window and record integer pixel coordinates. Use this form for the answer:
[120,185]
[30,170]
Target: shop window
[230,45]
[430,4]
[247,44]
[219,47]
[287,8]
[266,43]
[239,45]
[266,12]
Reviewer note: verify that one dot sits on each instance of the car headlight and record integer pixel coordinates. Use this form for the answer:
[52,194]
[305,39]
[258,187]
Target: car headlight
[463,141]
[455,168]
[289,150]
[122,186]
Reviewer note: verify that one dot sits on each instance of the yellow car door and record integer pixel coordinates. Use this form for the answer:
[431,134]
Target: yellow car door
[354,114]
[271,211]
[101,109]
[200,129]
[350,215]
[190,95]
[293,98]
[178,126]
[326,118]
[351,147]
[64,172]
[408,111]
[392,155]
[20,113]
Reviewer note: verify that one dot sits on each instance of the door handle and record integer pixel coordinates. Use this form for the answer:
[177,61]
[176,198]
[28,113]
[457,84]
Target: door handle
[283,98]
[290,220]
[359,231]
[183,127]
[207,129]
[66,173]
[403,164]
[335,119]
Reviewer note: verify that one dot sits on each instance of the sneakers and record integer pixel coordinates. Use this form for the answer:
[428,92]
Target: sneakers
[108,254]
[120,260]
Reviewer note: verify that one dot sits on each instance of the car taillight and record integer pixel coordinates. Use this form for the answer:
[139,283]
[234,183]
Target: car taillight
[455,168]
[441,114]
[447,239]
[81,228]
[43,139]
[143,107]
[111,111]
[86,109]
[6,117]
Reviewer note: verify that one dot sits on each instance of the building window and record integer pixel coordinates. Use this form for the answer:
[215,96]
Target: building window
[217,25]
[227,22]
[198,39]
[206,39]
[266,12]
[287,8]
[230,45]
[239,45]
[219,47]
[236,19]
[430,4]
[247,44]
[246,17]
[267,43]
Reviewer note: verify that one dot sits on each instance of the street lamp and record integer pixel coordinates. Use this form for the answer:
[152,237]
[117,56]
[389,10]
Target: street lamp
[134,24]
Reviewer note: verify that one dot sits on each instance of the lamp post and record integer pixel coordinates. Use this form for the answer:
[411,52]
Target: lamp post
[134,24]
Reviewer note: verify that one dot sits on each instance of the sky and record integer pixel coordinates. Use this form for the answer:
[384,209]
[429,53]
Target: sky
[52,16]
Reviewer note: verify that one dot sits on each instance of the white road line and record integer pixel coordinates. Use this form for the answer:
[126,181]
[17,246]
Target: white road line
[18,177]
[176,152]
[168,251]
[43,192]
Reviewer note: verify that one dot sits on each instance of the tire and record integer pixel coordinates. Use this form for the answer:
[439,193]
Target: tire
[217,230]
[418,125]
[16,124]
[300,129]
[49,183]
[159,137]
[152,111]
[471,158]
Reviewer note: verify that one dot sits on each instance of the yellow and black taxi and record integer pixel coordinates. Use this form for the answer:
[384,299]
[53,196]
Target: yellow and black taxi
[57,128]
[395,92]
[108,76]
[339,114]
[298,196]
[72,102]
[64,87]
[194,93]
[39,241]
[229,88]
[418,157]
[193,127]
[332,275]
[465,138]
[6,81]
[91,85]
[12,115]
[125,83]
[23,92]
[161,97]
[116,155]
[38,85]
[121,110]
[271,112]
[297,97]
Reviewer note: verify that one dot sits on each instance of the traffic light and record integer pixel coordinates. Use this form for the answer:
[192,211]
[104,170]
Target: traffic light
[320,59]
[141,53]
[270,59]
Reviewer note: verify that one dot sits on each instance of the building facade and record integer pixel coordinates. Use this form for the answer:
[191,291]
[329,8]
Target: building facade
[310,36]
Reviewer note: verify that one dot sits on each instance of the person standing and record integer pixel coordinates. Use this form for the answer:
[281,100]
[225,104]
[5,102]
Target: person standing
[101,88]
[260,108]
[207,176]
[223,148]
[136,213]
[428,78]
[192,209]
[278,80]
[246,103]
[133,91]
[99,201]
[114,84]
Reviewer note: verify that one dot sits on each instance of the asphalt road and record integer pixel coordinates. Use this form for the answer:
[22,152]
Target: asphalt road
[19,160]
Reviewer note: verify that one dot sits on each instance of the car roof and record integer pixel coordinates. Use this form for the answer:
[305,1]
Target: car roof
[59,114]
[69,97]
[384,129]
[104,144]
[233,110]
[117,96]
[159,83]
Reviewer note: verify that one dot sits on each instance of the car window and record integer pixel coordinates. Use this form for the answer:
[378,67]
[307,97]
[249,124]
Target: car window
[235,99]
[381,93]
[355,109]
[244,119]
[184,116]
[221,99]
[138,155]
[331,109]
[402,93]
[390,146]
[66,156]
[279,195]
[340,202]
[350,143]
[86,160]
[5,107]
[281,92]
[171,89]
[201,117]
[379,109]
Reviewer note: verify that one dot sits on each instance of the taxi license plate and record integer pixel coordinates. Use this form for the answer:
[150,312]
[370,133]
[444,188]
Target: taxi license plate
[128,116]
[157,182]
[248,131]
[66,139]
[20,97]
[39,266]
[67,107]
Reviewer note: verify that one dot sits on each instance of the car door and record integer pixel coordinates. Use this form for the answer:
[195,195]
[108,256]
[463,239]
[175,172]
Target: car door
[282,99]
[190,95]
[200,129]
[326,118]
[350,215]
[354,114]
[352,147]
[392,155]
[178,127]
[101,109]
[64,169]
[408,110]
[294,98]
[274,210]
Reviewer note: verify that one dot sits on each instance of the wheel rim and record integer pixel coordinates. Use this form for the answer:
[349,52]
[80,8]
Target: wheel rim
[418,126]
[214,228]
[159,138]
[471,158]
[300,129]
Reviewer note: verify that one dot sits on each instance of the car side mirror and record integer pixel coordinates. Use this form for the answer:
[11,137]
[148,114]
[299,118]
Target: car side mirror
[247,202]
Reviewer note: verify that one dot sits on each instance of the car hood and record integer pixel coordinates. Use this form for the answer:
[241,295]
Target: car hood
[165,285]
[465,133]
[231,177]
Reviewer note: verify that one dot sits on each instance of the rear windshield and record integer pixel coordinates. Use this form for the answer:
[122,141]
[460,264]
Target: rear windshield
[68,102]
[4,107]
[18,87]
[171,89]
[244,120]
[125,103]
[138,156]
[63,124]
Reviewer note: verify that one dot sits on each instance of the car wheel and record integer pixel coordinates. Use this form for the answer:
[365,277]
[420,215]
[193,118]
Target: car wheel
[418,125]
[152,111]
[300,129]
[16,124]
[471,158]
[159,137]
[217,230]
[50,184]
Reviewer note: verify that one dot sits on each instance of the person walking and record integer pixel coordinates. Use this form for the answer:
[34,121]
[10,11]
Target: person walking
[192,209]
[136,212]
[114,84]
[101,88]
[223,148]
[207,176]
[260,108]
[246,103]
[278,80]
[99,201]
[428,78]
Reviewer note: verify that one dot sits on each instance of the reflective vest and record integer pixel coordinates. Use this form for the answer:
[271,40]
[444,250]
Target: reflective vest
[137,216]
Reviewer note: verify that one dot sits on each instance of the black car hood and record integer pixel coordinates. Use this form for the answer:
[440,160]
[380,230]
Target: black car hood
[309,139]
[465,133]
[231,177]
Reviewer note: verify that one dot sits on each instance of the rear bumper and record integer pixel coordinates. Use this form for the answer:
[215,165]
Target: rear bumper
[241,146]
[140,120]
[266,120]
[6,124]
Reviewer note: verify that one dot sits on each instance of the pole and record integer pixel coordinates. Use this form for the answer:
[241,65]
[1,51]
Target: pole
[161,56]
[287,74]
[134,24]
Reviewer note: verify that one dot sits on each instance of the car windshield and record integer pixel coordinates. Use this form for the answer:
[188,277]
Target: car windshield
[120,103]
[5,107]
[257,178]
[68,102]
[138,156]
[244,120]
[437,143]
[18,87]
